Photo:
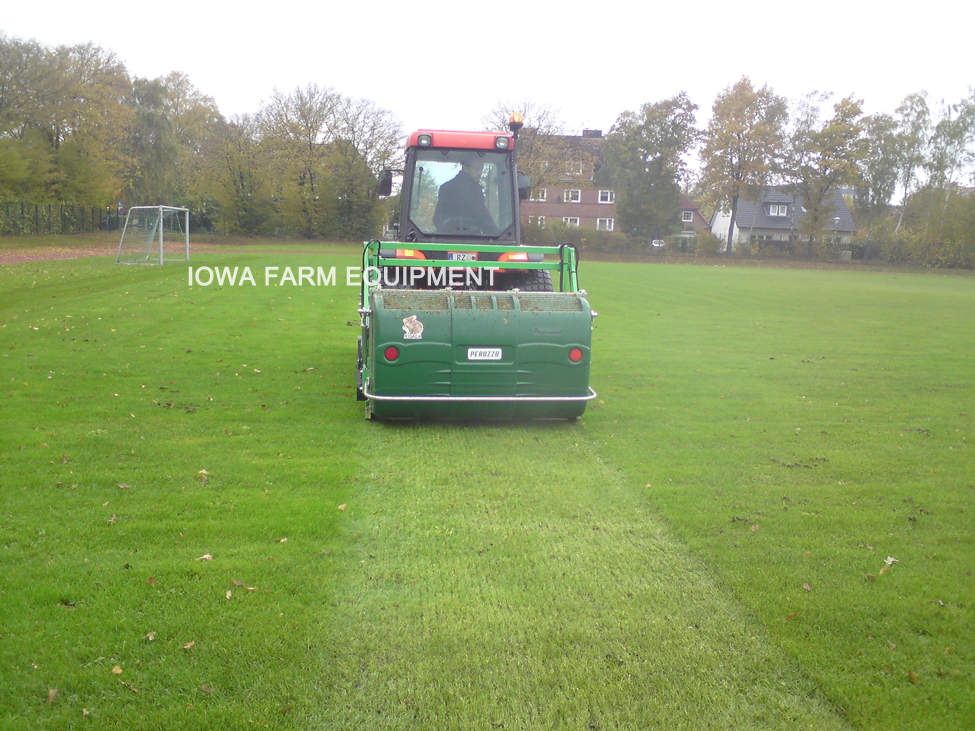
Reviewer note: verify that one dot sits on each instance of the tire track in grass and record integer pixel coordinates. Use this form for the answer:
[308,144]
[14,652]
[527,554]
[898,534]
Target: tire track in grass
[504,577]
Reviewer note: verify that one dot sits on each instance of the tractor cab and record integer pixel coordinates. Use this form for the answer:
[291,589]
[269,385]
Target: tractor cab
[460,185]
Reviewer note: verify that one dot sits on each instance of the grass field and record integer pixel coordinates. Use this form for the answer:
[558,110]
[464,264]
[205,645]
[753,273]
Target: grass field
[199,529]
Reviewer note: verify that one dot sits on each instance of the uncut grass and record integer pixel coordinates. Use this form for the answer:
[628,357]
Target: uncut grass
[147,425]
[797,428]
[504,577]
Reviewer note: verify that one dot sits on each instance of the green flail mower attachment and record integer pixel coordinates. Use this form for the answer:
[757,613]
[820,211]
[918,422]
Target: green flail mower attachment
[442,341]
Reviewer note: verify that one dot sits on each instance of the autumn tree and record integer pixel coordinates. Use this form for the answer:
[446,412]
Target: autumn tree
[951,149]
[820,159]
[879,171]
[151,174]
[367,139]
[913,135]
[194,118]
[644,158]
[26,162]
[741,147]
[299,128]
[62,121]
[238,172]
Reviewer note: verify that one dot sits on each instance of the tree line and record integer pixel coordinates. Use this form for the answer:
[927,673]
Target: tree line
[76,128]
[756,138]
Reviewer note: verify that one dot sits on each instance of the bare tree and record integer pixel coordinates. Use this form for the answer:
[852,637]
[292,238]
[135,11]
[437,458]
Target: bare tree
[545,149]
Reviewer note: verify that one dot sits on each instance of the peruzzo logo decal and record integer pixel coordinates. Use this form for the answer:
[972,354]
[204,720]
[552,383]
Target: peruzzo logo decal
[412,328]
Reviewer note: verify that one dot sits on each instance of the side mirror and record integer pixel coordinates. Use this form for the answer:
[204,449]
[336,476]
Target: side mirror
[524,186]
[385,187]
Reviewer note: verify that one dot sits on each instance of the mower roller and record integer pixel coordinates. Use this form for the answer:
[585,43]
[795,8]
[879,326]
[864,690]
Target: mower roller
[459,319]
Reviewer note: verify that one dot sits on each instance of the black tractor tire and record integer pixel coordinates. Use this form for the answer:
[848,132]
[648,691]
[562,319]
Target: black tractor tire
[529,280]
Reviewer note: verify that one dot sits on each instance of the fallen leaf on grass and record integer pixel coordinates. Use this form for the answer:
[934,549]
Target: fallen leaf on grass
[129,686]
[807,587]
[892,645]
[151,636]
[122,486]
[189,645]
[111,521]
[52,693]
[755,529]
[790,616]
[151,581]
[206,689]
[205,557]
[888,562]
[282,540]
[342,507]
[117,670]
[229,593]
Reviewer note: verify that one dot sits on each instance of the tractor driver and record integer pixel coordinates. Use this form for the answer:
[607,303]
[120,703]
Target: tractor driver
[463,198]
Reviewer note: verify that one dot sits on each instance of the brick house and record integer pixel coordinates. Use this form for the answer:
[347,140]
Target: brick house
[570,196]
[574,199]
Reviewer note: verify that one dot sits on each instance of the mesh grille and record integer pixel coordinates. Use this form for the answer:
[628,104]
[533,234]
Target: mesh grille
[440,301]
[549,303]
[420,301]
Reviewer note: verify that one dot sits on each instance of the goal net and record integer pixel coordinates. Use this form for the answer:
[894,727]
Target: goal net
[154,234]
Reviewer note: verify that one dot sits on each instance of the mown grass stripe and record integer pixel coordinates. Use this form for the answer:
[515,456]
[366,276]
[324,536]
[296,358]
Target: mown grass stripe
[484,590]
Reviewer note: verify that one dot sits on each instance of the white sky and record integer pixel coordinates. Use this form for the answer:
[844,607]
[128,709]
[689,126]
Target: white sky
[444,64]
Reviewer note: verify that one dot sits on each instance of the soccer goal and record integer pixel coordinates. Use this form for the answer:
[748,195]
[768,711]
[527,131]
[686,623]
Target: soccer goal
[154,234]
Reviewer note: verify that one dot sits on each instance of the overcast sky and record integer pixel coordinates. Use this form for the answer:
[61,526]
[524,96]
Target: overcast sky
[445,64]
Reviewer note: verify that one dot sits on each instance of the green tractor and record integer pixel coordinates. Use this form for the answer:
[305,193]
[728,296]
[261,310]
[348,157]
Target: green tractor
[460,320]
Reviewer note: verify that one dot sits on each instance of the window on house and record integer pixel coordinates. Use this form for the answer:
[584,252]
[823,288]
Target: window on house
[607,196]
[778,209]
[687,216]
[539,194]
[572,196]
[573,168]
[571,221]
[541,221]
[604,224]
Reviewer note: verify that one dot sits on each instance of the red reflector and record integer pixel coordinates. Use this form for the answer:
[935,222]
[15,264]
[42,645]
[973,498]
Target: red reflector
[392,353]
[575,355]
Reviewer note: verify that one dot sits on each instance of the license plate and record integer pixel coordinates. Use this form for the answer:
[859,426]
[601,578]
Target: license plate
[484,354]
[461,256]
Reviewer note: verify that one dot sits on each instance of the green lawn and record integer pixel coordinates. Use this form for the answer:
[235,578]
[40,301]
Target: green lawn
[200,530]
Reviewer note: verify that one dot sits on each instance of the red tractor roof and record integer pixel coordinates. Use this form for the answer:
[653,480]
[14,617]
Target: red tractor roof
[463,140]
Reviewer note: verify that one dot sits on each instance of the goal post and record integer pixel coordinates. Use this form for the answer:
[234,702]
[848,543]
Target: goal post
[154,235]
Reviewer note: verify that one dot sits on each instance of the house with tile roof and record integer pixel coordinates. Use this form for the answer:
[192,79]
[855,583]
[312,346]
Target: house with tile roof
[777,217]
